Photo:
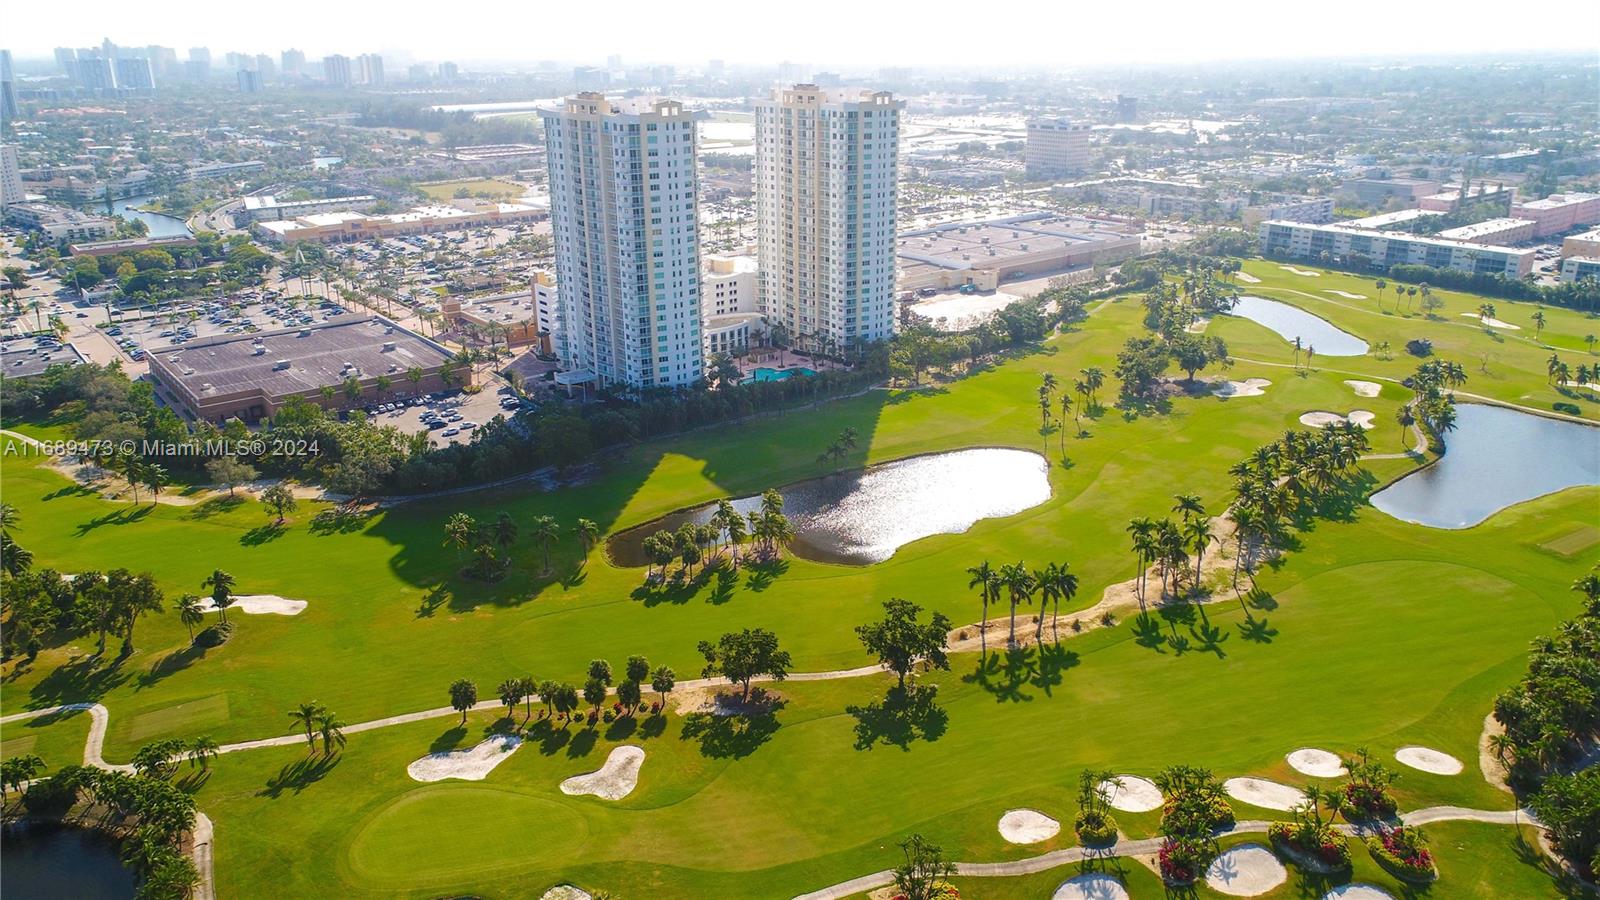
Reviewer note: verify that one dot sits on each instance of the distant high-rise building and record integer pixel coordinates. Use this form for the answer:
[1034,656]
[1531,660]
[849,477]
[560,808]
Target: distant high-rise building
[371,69]
[1127,108]
[67,61]
[235,60]
[134,74]
[827,168]
[624,208]
[293,63]
[249,81]
[266,68]
[448,71]
[8,91]
[336,70]
[1056,147]
[588,78]
[95,72]
[198,66]
[163,61]
[417,73]
[10,177]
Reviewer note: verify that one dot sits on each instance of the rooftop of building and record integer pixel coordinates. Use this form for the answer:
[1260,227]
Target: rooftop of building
[1486,227]
[960,245]
[22,357]
[50,212]
[320,355]
[268,201]
[729,265]
[1403,236]
[140,243]
[1384,220]
[1556,201]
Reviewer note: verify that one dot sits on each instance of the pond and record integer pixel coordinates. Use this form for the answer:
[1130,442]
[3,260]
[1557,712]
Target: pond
[53,862]
[1291,322]
[863,516]
[1496,457]
[159,225]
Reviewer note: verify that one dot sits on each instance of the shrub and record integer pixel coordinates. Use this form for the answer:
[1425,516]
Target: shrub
[1570,409]
[609,717]
[50,797]
[1419,347]
[655,707]
[1320,841]
[1366,794]
[1183,858]
[1095,827]
[214,636]
[1403,850]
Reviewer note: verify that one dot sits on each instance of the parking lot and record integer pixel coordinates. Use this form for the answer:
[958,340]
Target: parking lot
[240,314]
[449,418]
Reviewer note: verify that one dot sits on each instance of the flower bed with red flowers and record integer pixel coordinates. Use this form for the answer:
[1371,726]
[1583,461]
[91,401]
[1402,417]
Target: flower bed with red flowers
[1403,850]
[1184,858]
[1366,801]
[1321,847]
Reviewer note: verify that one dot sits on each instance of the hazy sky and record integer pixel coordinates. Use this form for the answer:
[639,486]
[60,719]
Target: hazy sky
[858,34]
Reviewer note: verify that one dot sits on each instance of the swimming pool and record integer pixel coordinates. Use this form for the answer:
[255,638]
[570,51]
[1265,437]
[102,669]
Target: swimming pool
[766,374]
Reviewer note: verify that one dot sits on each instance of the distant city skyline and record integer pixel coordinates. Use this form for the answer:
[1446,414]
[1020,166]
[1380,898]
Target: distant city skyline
[941,34]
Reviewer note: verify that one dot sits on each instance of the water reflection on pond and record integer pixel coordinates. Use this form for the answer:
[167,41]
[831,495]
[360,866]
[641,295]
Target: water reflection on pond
[54,862]
[1291,322]
[862,517]
[1496,457]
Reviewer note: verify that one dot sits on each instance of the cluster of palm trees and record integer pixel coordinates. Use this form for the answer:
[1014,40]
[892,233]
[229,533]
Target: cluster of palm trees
[162,758]
[1167,543]
[1557,371]
[1434,406]
[697,543]
[319,724]
[490,544]
[1019,584]
[1408,293]
[561,699]
[1278,479]
[1087,386]
[1171,307]
[839,449]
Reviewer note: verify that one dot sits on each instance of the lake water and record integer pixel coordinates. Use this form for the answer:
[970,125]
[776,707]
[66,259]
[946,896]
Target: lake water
[159,225]
[1291,322]
[863,517]
[1496,457]
[51,862]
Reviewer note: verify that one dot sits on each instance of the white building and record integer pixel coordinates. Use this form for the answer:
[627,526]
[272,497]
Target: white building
[1383,249]
[827,167]
[730,304]
[547,305]
[624,203]
[10,177]
[1056,147]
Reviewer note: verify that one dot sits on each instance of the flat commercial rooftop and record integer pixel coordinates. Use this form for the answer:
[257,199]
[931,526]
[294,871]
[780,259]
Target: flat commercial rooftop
[22,357]
[316,356]
[962,245]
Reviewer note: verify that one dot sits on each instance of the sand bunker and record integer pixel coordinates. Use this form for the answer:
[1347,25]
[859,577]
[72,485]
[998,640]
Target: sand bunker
[1198,325]
[1027,826]
[1263,793]
[566,892]
[1316,763]
[467,765]
[1347,295]
[1492,323]
[1093,886]
[1319,418]
[1358,892]
[1432,761]
[1248,278]
[1364,388]
[1250,387]
[614,780]
[1136,794]
[1245,871]
[1306,273]
[259,605]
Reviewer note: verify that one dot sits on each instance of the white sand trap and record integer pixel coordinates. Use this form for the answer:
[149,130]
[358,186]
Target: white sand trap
[1347,295]
[1304,272]
[1316,763]
[1250,387]
[1248,278]
[1423,759]
[467,765]
[1364,388]
[566,892]
[259,605]
[614,780]
[1263,793]
[1093,886]
[1358,892]
[1028,826]
[1247,870]
[1319,418]
[1198,326]
[1136,794]
[1492,323]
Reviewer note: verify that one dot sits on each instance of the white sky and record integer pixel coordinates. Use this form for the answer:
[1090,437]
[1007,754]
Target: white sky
[848,34]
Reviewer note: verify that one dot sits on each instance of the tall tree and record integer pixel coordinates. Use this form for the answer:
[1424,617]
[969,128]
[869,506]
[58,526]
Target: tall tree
[463,696]
[899,640]
[740,656]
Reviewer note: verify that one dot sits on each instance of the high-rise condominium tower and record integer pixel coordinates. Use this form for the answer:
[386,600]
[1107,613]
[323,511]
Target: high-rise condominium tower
[624,203]
[827,163]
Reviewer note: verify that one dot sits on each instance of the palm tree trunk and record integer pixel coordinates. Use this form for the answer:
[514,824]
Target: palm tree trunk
[1012,641]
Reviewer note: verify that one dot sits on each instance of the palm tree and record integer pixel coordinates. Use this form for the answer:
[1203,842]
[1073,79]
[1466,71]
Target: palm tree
[1245,522]
[332,731]
[1093,379]
[190,613]
[459,531]
[505,531]
[1538,323]
[1188,505]
[221,584]
[545,532]
[1056,583]
[1019,585]
[988,585]
[306,715]
[202,750]
[1198,531]
[1142,530]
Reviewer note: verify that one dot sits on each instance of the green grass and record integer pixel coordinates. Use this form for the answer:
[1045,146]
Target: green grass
[492,187]
[56,738]
[1373,632]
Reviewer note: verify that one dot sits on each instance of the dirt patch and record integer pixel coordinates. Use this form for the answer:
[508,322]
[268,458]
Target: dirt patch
[612,781]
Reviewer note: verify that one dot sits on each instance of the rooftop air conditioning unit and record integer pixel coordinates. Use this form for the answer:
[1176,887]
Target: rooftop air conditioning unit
[388,345]
[280,365]
[305,332]
[260,349]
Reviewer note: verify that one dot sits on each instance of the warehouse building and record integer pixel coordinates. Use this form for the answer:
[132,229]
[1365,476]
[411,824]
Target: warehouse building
[986,253]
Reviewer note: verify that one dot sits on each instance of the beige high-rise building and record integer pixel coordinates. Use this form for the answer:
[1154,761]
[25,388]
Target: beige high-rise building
[10,177]
[827,169]
[1056,147]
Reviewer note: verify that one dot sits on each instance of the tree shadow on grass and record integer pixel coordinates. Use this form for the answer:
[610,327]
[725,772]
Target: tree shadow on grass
[732,736]
[1004,674]
[124,516]
[262,534]
[299,775]
[193,780]
[171,664]
[582,743]
[622,728]
[1147,632]
[722,591]
[71,490]
[1054,661]
[436,596]
[342,519]
[448,740]
[763,573]
[82,680]
[213,507]
[550,738]
[903,716]
[653,727]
